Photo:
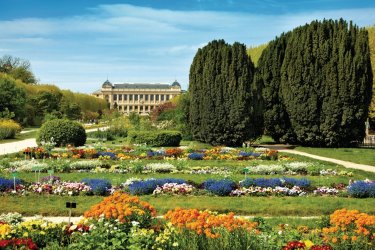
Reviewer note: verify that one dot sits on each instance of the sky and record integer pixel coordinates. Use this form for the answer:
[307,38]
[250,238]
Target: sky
[78,44]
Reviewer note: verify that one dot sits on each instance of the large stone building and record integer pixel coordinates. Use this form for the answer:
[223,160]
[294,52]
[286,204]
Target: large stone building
[137,97]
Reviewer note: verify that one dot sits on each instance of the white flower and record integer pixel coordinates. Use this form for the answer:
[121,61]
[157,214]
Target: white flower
[135,223]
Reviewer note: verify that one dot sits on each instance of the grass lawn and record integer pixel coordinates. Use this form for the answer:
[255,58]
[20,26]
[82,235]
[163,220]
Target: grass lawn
[52,205]
[20,137]
[356,155]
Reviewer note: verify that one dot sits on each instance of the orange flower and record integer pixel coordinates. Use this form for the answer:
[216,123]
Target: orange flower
[120,206]
[206,222]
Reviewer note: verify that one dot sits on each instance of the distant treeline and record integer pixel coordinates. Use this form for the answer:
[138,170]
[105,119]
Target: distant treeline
[31,103]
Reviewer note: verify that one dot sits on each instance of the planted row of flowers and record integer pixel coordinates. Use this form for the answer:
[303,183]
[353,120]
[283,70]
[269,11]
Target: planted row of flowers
[180,166]
[121,221]
[223,187]
[128,153]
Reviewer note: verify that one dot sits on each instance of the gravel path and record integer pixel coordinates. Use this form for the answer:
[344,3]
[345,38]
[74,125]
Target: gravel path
[14,147]
[346,164]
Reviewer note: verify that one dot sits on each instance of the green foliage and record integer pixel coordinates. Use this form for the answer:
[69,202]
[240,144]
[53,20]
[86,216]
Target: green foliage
[225,107]
[155,138]
[371,38]
[8,128]
[12,98]
[317,84]
[62,132]
[256,52]
[174,115]
[17,68]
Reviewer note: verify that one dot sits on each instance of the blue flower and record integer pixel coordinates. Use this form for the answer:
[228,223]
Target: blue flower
[303,183]
[362,189]
[98,186]
[220,187]
[148,186]
[196,156]
[111,155]
[6,184]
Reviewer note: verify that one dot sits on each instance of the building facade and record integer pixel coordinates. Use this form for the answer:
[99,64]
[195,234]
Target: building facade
[137,97]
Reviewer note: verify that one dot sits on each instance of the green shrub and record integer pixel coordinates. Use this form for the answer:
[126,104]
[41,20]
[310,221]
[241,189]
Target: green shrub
[62,132]
[155,138]
[8,128]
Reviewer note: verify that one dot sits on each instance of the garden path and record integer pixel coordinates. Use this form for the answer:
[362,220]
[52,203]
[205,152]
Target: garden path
[14,147]
[77,219]
[346,164]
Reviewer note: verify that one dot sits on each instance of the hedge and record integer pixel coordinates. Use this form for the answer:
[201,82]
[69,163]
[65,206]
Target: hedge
[155,138]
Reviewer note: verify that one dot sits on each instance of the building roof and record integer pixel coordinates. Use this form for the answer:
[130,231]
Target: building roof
[176,84]
[141,86]
[99,91]
[107,84]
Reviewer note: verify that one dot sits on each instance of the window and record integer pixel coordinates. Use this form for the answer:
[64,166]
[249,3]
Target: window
[120,107]
[146,97]
[135,97]
[141,108]
[152,107]
[146,108]
[161,97]
[140,97]
[130,97]
[156,97]
[115,97]
[167,97]
[125,97]
[120,97]
[130,108]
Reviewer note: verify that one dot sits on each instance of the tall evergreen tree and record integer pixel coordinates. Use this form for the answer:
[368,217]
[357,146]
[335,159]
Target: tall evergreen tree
[320,84]
[224,104]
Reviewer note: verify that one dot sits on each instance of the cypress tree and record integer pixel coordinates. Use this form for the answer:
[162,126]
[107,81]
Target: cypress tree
[225,106]
[319,88]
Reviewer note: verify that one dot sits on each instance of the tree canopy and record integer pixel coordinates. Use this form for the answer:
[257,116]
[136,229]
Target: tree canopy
[317,84]
[224,104]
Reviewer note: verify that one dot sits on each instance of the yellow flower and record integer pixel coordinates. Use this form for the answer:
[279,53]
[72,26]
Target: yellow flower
[308,243]
[25,234]
[5,229]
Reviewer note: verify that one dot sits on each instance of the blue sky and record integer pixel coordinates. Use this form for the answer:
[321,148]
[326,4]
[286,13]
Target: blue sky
[76,44]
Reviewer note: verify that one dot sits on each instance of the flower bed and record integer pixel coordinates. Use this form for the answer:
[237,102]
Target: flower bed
[224,187]
[121,221]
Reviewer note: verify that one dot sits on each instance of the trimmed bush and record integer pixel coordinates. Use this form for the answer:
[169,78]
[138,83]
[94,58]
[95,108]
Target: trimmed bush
[62,132]
[156,138]
[8,128]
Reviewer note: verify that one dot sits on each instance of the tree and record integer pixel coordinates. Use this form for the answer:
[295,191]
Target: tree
[371,37]
[12,98]
[71,111]
[17,68]
[46,102]
[225,104]
[317,84]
